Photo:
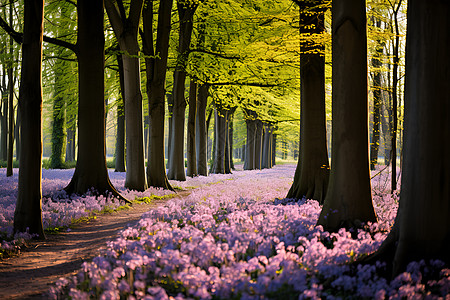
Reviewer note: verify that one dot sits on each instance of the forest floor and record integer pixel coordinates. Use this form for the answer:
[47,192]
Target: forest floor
[30,274]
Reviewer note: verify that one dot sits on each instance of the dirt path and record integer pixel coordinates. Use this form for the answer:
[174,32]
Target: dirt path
[31,274]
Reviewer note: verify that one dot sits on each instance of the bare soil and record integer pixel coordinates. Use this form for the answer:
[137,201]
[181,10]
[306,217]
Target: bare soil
[30,274]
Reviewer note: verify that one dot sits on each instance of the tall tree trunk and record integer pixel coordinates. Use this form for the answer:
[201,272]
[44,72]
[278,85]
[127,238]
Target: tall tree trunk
[230,141]
[220,125]
[376,64]
[258,144]
[126,30]
[250,146]
[176,168]
[394,100]
[9,166]
[4,127]
[201,137]
[156,78]
[17,134]
[120,133]
[349,201]
[28,211]
[422,227]
[91,171]
[58,120]
[191,154]
[312,173]
[274,147]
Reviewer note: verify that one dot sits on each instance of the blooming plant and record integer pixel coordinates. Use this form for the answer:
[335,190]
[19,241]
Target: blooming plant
[235,237]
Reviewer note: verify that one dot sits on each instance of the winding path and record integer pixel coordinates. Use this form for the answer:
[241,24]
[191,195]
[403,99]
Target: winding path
[30,275]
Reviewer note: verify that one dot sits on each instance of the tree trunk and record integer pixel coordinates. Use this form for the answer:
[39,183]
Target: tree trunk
[120,139]
[191,169]
[230,141]
[28,211]
[422,227]
[201,137]
[220,123]
[250,147]
[17,134]
[258,144]
[9,166]
[349,201]
[91,170]
[177,169]
[376,63]
[394,101]
[58,120]
[312,173]
[156,78]
[4,131]
[126,30]
[71,142]
[274,147]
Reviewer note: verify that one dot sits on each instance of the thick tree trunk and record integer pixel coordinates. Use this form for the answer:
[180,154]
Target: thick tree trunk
[120,139]
[59,120]
[176,168]
[126,30]
[156,77]
[119,154]
[422,228]
[230,141]
[201,137]
[349,201]
[90,170]
[250,147]
[258,144]
[191,154]
[312,173]
[28,211]
[71,143]
[220,124]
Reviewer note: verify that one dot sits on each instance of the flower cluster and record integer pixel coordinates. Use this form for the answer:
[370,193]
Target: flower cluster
[229,239]
[59,210]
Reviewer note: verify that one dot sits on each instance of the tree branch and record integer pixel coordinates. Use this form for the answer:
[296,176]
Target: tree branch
[18,37]
[114,18]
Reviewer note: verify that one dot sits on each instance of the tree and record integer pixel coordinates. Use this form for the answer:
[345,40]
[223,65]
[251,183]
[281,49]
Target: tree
[91,171]
[201,130]
[156,77]
[191,151]
[422,226]
[349,201]
[312,173]
[186,10]
[126,31]
[28,214]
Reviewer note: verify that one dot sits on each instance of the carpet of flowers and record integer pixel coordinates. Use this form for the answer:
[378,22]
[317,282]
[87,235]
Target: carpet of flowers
[236,237]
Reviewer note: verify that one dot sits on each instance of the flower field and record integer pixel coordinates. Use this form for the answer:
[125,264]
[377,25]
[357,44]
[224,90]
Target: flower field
[233,237]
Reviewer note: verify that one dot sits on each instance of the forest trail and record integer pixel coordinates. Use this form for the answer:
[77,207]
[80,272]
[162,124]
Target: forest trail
[30,275]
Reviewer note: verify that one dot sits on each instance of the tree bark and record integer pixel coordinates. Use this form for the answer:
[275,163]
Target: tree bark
[220,124]
[349,201]
[377,100]
[126,30]
[258,145]
[191,154]
[156,78]
[201,137]
[58,120]
[176,168]
[9,166]
[249,163]
[91,170]
[28,211]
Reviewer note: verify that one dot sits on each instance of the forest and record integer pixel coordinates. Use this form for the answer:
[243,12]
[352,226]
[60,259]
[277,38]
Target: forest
[280,149]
